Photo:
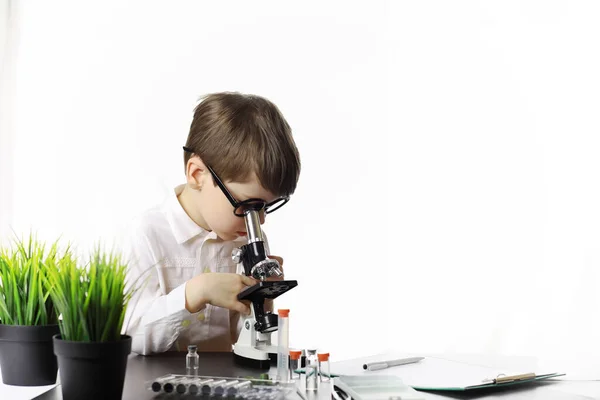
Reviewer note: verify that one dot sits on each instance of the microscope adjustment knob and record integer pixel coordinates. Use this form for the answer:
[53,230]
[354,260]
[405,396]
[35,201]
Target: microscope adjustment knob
[236,255]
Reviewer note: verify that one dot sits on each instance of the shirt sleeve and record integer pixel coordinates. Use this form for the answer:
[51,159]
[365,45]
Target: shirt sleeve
[153,320]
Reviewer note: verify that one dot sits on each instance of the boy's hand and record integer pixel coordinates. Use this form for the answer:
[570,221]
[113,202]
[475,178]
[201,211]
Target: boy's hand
[218,289]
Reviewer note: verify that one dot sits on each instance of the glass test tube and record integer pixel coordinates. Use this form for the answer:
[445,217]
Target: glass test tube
[312,383]
[283,351]
[157,385]
[193,389]
[176,384]
[219,390]
[232,391]
[324,370]
[295,356]
[207,388]
[192,360]
[168,387]
[196,385]
[181,388]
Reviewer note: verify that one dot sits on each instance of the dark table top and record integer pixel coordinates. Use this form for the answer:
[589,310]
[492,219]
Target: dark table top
[141,369]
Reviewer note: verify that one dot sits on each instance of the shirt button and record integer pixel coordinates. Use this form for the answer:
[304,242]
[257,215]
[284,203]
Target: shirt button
[201,316]
[185,323]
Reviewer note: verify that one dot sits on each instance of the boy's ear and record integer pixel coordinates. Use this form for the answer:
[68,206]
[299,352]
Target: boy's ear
[195,173]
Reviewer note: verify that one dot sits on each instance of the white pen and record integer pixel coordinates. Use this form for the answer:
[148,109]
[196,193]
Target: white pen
[375,366]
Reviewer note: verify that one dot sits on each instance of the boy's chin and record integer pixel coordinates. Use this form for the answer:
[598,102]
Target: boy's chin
[229,236]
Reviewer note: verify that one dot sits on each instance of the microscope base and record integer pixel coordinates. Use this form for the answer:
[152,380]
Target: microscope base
[252,357]
[251,362]
[247,350]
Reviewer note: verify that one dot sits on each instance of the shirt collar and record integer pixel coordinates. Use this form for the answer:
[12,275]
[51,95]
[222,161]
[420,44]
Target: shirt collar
[183,227]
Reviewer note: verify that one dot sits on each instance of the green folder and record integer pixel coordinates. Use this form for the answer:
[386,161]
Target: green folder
[492,384]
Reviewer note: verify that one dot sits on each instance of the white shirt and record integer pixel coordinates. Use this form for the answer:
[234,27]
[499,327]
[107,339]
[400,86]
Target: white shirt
[167,248]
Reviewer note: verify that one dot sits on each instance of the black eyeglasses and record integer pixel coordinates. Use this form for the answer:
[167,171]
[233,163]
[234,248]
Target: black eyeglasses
[240,207]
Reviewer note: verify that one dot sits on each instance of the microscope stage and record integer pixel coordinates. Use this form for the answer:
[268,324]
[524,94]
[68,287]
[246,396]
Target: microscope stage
[267,290]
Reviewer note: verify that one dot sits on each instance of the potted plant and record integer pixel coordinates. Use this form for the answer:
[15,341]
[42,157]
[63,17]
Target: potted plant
[92,300]
[28,320]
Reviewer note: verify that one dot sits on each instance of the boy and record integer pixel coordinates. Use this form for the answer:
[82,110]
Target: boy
[238,146]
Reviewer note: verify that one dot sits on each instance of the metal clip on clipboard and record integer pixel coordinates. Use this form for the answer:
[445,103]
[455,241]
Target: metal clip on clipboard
[501,378]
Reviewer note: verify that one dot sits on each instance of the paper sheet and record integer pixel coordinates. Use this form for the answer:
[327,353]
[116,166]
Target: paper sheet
[432,372]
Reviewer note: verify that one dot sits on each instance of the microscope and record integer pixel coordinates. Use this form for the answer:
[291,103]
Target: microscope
[254,345]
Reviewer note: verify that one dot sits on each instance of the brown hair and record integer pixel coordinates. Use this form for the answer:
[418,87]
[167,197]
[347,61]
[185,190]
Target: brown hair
[237,134]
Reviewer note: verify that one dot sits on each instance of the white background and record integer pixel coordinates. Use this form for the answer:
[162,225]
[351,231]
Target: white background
[449,195]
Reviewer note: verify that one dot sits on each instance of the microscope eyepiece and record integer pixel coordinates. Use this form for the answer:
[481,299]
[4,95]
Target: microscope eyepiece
[252,219]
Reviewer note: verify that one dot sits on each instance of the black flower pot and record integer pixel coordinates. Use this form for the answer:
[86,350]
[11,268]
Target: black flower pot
[26,356]
[92,370]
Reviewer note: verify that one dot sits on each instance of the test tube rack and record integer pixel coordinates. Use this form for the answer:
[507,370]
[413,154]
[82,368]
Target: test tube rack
[173,386]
